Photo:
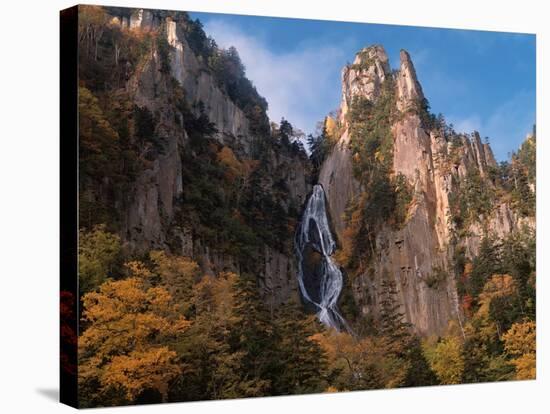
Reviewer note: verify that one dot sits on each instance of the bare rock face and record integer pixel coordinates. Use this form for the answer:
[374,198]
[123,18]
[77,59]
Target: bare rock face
[365,76]
[152,203]
[409,90]
[337,179]
[413,255]
[278,282]
[142,20]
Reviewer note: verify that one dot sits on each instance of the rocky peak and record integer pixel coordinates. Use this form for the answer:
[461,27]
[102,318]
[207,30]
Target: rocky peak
[409,90]
[430,162]
[364,76]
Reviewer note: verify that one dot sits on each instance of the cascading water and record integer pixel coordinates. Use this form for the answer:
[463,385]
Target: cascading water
[319,277]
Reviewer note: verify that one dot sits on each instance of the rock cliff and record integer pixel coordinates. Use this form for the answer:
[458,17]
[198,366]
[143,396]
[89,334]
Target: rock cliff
[151,209]
[418,255]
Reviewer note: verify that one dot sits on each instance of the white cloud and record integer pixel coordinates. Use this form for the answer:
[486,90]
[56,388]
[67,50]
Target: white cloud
[472,123]
[299,85]
[506,126]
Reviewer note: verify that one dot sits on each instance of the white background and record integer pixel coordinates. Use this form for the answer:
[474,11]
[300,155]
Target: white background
[29,206]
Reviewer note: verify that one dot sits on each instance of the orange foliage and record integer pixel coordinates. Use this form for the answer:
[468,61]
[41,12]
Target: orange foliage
[520,342]
[350,234]
[467,304]
[234,167]
[128,324]
[496,286]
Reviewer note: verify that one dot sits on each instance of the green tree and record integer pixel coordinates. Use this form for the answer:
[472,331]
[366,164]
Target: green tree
[254,333]
[207,350]
[98,155]
[392,324]
[519,260]
[99,255]
[300,360]
[485,264]
[400,342]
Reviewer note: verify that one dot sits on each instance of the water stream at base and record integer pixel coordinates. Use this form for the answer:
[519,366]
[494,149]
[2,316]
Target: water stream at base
[314,235]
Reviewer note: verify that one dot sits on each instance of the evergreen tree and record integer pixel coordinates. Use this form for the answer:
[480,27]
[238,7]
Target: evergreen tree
[419,374]
[254,337]
[207,354]
[392,324]
[285,132]
[300,360]
[401,342]
[485,264]
[519,260]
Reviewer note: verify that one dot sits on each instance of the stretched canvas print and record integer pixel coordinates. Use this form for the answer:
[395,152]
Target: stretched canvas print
[258,206]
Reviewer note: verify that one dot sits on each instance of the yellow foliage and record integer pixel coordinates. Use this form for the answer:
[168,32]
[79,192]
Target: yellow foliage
[526,366]
[97,253]
[94,128]
[520,342]
[331,128]
[142,370]
[138,270]
[215,295]
[234,167]
[496,286]
[91,16]
[468,267]
[177,274]
[127,324]
[349,235]
[360,359]
[445,358]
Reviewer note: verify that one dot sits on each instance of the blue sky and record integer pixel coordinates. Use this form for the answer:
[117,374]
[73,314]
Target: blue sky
[479,80]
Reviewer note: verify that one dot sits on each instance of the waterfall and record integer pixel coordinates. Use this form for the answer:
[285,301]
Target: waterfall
[322,282]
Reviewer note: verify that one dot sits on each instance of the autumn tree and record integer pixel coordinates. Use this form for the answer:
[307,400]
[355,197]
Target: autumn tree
[126,349]
[353,363]
[483,349]
[446,359]
[177,275]
[500,300]
[227,158]
[520,343]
